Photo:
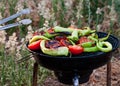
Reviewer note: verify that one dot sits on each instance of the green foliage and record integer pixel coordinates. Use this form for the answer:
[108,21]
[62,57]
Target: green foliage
[42,21]
[59,9]
[14,74]
[117,5]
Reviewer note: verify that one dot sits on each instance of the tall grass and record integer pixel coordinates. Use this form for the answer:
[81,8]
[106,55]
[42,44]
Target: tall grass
[14,74]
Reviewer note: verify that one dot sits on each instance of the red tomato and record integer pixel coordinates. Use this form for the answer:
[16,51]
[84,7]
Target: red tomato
[75,49]
[35,45]
[51,30]
[84,39]
[60,38]
[35,33]
[64,42]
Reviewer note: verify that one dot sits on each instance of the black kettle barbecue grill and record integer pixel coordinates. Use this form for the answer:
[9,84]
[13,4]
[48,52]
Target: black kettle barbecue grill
[78,68]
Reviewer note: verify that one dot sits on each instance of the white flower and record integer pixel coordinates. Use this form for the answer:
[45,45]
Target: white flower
[29,28]
[99,11]
[1,16]
[2,36]
[19,6]
[44,10]
[11,44]
[68,4]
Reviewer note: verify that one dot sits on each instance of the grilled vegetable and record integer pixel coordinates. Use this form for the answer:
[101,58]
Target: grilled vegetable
[61,29]
[60,41]
[91,49]
[104,46]
[104,38]
[37,37]
[34,45]
[93,38]
[75,49]
[48,35]
[60,51]
[52,44]
[87,44]
[85,31]
[64,42]
[74,37]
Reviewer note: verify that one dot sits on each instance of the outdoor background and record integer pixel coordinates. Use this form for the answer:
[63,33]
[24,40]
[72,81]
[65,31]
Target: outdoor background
[102,15]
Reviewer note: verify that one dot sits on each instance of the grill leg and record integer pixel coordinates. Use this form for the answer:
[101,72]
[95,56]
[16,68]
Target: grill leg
[109,73]
[35,70]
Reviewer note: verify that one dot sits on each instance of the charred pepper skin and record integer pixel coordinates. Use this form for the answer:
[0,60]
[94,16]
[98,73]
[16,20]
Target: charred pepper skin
[60,51]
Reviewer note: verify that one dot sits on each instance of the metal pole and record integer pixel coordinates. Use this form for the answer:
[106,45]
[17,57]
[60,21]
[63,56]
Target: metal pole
[109,73]
[76,80]
[35,70]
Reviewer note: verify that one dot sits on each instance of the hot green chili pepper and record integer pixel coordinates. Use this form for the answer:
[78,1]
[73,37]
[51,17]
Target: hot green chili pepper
[35,38]
[60,51]
[94,35]
[48,35]
[105,38]
[86,31]
[91,49]
[93,38]
[87,44]
[107,48]
[61,29]
[74,37]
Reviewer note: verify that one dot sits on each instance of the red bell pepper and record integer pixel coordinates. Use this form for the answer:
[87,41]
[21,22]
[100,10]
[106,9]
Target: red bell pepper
[75,49]
[34,45]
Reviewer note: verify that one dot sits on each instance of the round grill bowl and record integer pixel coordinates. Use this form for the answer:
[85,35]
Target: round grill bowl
[84,61]
[77,67]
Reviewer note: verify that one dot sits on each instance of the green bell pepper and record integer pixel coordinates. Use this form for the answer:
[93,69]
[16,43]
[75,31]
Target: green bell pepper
[60,51]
